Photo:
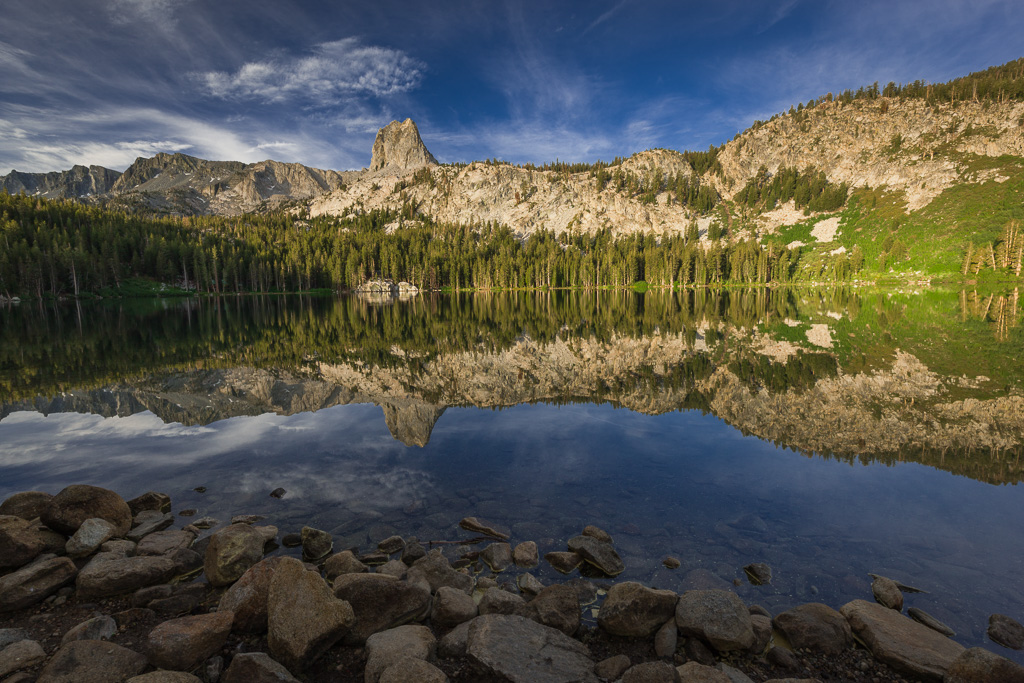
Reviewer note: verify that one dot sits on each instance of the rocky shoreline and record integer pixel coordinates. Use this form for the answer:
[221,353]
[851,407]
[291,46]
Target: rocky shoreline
[96,588]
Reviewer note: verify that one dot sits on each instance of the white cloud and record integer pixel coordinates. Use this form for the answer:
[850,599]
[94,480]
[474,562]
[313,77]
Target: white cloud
[334,69]
[157,12]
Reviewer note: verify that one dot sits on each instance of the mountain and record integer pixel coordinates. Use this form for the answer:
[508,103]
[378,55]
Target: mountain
[77,183]
[399,147]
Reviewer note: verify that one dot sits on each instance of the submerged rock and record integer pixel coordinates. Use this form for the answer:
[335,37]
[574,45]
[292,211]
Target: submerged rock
[476,526]
[498,556]
[887,593]
[1006,631]
[758,573]
[599,553]
[922,617]
[563,562]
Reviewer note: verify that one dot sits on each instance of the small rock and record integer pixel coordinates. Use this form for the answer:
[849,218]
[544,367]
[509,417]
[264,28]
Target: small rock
[529,584]
[922,617]
[144,596]
[781,658]
[563,562]
[247,597]
[408,669]
[343,563]
[611,669]
[108,574]
[316,543]
[22,654]
[694,672]
[92,661]
[151,500]
[476,526]
[278,493]
[497,601]
[206,523]
[651,672]
[381,602]
[256,667]
[97,628]
[395,568]
[762,626]
[671,562]
[556,606]
[525,555]
[453,644]
[391,545]
[434,570]
[598,553]
[35,582]
[374,559]
[498,556]
[887,593]
[1006,631]
[978,665]
[666,639]
[20,542]
[816,627]
[214,668]
[387,648]
[164,677]
[185,643]
[598,533]
[413,551]
[188,512]
[451,607]
[758,573]
[164,543]
[696,651]
[247,519]
[268,532]
[12,635]
[291,540]
[519,650]
[718,617]
[148,522]
[200,489]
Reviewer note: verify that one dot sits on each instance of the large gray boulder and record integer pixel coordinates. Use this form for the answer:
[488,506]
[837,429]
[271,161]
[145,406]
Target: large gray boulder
[20,542]
[68,509]
[381,602]
[27,504]
[183,644]
[20,655]
[557,606]
[247,597]
[900,642]
[978,665]
[304,618]
[92,661]
[386,648]
[451,607]
[93,533]
[717,617]
[522,651]
[231,551]
[816,627]
[110,574]
[633,610]
[35,582]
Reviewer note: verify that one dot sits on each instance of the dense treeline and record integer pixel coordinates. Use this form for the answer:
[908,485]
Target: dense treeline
[57,248]
[810,189]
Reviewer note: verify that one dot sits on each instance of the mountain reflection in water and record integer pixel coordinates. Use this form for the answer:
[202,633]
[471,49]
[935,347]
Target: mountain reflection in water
[885,376]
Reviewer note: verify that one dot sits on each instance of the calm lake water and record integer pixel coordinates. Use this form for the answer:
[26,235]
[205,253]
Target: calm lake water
[830,434]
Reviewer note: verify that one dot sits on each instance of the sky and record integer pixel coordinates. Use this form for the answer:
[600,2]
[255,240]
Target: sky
[106,81]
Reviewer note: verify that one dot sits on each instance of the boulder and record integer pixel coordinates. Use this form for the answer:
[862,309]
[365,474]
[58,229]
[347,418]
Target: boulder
[97,628]
[557,606]
[718,617]
[185,643]
[256,667]
[453,644]
[529,584]
[816,627]
[386,648]
[451,607]
[413,551]
[90,536]
[1006,631]
[498,601]
[762,632]
[148,522]
[519,650]
[151,500]
[22,654]
[398,148]
[611,669]
[108,574]
[304,618]
[887,593]
[600,554]
[381,602]
[978,665]
[344,562]
[666,639]
[231,551]
[395,568]
[35,582]
[651,672]
[435,571]
[165,542]
[68,509]
[525,555]
[247,597]
[27,504]
[694,672]
[633,610]
[20,542]
[900,642]
[316,543]
[597,532]
[408,669]
[563,563]
[497,556]
[92,661]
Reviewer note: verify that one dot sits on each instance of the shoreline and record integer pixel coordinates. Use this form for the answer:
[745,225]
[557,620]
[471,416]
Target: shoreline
[174,599]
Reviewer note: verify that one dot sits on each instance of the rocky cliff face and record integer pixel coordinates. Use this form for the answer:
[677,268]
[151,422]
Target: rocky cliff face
[398,148]
[78,182]
[907,145]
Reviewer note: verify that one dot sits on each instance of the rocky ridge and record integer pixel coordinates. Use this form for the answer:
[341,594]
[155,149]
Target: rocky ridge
[78,182]
[398,148]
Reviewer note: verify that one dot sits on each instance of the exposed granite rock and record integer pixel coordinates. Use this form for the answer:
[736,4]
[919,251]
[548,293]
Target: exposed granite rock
[978,665]
[35,582]
[97,628]
[20,542]
[89,537]
[694,672]
[633,610]
[498,601]
[451,607]
[387,648]
[183,644]
[92,661]
[68,509]
[22,654]
[523,651]
[256,667]
[887,593]
[316,543]
[557,606]
[108,574]
[409,669]
[525,555]
[435,571]
[1006,631]
[612,668]
[599,553]
[28,504]
[399,148]
[151,500]
[497,556]
[816,627]
[651,672]
[563,562]
[231,551]
[247,597]
[381,602]
[716,616]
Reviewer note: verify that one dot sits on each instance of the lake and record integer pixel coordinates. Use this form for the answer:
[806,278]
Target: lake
[830,433]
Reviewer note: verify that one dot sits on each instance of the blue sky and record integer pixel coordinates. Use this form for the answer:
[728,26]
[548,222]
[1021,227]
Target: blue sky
[106,81]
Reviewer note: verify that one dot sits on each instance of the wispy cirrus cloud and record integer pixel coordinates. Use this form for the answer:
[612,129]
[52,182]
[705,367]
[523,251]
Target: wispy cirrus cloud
[157,12]
[334,69]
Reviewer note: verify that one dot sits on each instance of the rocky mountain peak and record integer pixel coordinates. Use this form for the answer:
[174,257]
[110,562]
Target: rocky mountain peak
[400,148]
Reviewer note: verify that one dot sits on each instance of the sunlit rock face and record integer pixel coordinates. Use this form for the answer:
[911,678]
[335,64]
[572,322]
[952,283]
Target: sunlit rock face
[400,148]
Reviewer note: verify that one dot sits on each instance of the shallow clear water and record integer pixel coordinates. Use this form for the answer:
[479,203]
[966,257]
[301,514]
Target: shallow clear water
[678,482]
